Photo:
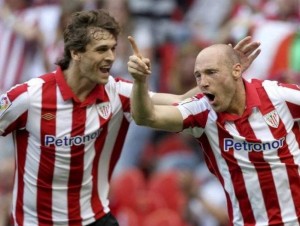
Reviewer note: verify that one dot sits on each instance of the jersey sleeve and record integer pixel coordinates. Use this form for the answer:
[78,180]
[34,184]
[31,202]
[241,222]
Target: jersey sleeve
[288,93]
[13,109]
[196,113]
[123,89]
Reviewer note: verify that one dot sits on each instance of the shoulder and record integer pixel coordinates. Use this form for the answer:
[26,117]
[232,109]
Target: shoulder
[118,85]
[263,86]
[116,81]
[276,91]
[266,84]
[32,86]
[258,83]
[272,84]
[45,79]
[197,106]
[198,99]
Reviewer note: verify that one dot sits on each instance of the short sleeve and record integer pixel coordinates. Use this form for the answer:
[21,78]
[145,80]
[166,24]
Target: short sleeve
[13,107]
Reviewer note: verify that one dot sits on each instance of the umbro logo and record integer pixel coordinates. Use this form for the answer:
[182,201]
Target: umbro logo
[48,116]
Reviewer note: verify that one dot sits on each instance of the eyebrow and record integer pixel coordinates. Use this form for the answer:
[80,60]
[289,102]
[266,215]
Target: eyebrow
[211,69]
[105,46]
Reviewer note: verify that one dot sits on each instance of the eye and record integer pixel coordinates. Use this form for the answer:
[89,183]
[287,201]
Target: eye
[102,49]
[210,72]
[197,75]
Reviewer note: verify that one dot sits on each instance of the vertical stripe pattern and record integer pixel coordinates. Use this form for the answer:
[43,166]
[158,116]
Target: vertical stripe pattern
[256,156]
[66,149]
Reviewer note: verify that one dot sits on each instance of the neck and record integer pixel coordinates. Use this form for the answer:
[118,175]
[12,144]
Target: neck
[239,102]
[80,86]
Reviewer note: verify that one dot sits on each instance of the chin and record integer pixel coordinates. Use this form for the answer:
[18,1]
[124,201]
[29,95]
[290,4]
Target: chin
[217,109]
[102,81]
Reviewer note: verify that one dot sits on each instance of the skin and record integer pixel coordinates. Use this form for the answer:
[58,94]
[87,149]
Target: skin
[217,71]
[246,49]
[91,68]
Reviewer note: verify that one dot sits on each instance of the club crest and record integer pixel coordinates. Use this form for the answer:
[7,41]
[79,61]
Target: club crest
[272,119]
[104,110]
[4,104]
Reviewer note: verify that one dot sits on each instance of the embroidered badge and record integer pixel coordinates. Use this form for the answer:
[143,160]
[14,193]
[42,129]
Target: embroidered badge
[272,119]
[4,104]
[104,109]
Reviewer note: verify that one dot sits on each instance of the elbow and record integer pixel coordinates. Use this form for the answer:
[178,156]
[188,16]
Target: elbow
[141,121]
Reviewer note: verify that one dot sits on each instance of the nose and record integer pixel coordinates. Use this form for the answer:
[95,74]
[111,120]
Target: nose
[110,55]
[202,82]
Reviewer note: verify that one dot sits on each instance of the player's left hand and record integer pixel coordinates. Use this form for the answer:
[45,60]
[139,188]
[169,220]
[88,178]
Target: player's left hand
[248,51]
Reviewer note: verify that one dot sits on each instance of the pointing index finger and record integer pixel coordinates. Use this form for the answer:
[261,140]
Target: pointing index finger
[134,47]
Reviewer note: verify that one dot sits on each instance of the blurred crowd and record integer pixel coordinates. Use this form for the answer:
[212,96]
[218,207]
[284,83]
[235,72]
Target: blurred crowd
[158,174]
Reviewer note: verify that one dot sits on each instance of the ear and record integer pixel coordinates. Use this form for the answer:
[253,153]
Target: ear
[237,71]
[75,55]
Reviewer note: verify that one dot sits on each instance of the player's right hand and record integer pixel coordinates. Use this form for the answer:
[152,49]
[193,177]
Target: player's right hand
[138,66]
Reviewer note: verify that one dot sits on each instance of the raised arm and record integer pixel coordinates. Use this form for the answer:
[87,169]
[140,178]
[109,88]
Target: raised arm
[247,49]
[169,99]
[144,111]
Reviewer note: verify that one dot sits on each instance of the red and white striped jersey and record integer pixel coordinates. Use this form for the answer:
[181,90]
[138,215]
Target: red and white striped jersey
[66,150]
[255,156]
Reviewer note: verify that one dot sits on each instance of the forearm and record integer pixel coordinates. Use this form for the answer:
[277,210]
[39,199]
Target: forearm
[192,92]
[144,112]
[141,104]
[169,99]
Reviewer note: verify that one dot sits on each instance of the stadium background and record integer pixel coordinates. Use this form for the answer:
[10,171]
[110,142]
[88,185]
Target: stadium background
[161,178]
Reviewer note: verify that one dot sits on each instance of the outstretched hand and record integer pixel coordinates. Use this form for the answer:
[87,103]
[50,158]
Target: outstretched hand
[248,51]
[138,66]
[134,47]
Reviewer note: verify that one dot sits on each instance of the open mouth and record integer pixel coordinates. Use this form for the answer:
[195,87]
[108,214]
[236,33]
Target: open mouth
[209,96]
[104,69]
